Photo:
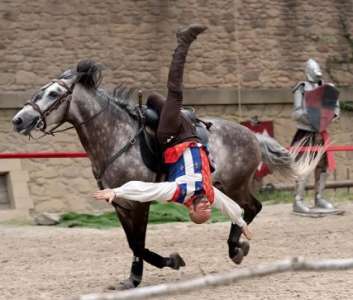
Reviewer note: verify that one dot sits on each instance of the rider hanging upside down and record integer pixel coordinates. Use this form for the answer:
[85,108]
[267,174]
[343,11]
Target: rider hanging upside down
[189,175]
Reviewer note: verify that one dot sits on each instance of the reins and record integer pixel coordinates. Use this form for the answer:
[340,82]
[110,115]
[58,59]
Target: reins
[132,140]
[52,132]
[43,114]
[67,96]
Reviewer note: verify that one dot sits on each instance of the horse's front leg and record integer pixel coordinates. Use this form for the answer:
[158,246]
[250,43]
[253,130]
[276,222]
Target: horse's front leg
[236,249]
[135,230]
[134,221]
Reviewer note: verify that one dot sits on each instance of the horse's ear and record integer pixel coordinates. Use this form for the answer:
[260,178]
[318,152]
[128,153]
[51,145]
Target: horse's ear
[89,74]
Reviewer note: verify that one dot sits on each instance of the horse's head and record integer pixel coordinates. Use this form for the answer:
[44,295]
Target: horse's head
[51,103]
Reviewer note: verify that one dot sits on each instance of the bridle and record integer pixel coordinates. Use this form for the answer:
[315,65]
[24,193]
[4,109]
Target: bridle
[66,97]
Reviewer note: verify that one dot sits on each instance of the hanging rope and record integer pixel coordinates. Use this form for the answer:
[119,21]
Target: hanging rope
[237,60]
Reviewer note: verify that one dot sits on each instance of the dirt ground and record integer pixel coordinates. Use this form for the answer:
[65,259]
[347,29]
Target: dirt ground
[58,263]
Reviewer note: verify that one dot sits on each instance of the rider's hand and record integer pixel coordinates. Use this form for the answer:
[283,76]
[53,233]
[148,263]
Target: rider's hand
[246,231]
[107,194]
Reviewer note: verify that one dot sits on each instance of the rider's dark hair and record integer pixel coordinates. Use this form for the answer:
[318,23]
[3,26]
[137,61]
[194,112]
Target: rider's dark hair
[89,74]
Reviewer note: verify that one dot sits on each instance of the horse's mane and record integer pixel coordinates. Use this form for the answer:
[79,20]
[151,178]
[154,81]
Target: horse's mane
[123,98]
[89,75]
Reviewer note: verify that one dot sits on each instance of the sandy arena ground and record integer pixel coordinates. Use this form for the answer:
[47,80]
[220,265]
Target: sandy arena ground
[57,263]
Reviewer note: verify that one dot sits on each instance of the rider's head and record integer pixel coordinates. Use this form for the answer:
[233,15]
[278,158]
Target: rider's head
[312,71]
[200,211]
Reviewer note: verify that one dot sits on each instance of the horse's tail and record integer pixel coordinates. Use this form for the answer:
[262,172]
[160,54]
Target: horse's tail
[289,163]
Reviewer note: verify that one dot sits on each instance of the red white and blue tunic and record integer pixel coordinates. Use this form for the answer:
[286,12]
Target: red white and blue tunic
[189,167]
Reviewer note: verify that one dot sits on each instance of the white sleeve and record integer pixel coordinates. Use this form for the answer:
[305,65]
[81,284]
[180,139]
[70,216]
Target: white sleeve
[228,207]
[146,191]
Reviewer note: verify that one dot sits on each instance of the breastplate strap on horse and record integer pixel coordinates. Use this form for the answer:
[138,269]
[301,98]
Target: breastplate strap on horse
[321,103]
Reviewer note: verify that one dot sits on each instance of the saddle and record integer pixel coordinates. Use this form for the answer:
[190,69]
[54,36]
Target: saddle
[151,151]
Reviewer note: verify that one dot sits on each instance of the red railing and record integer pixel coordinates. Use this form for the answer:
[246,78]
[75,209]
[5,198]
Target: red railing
[335,148]
[43,155]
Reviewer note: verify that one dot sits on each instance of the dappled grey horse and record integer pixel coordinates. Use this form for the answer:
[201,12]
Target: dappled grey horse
[109,126]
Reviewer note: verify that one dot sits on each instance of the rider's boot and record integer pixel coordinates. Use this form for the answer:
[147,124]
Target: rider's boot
[185,37]
[298,203]
[320,183]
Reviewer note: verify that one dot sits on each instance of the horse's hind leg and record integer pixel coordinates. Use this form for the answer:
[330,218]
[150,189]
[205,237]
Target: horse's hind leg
[174,261]
[134,222]
[237,249]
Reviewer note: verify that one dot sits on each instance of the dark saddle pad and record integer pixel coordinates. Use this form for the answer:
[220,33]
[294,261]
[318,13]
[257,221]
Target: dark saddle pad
[151,151]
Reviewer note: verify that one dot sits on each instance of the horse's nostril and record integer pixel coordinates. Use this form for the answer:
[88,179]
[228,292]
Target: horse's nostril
[17,121]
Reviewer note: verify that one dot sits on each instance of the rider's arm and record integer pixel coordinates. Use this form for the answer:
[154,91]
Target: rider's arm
[146,191]
[139,191]
[228,207]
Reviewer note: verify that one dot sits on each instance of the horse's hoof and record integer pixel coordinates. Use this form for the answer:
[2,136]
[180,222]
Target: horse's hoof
[238,257]
[245,246]
[110,287]
[126,284]
[122,285]
[176,261]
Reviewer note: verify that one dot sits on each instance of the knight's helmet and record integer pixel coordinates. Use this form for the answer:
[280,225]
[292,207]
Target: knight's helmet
[312,71]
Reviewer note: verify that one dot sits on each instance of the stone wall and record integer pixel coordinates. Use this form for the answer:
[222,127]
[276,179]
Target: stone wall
[250,45]
[257,44]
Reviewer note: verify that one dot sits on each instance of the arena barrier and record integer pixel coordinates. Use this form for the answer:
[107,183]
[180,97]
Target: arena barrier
[214,280]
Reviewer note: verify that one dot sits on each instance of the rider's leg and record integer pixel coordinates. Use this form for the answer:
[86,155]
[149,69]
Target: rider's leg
[170,116]
[155,101]
[185,37]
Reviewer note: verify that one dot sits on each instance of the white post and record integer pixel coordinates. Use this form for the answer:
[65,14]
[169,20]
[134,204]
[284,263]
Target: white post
[293,264]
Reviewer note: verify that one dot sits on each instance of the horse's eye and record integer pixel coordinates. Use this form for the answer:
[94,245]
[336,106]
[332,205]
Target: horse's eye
[53,94]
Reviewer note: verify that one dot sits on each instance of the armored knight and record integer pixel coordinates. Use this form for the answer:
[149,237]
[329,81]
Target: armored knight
[315,106]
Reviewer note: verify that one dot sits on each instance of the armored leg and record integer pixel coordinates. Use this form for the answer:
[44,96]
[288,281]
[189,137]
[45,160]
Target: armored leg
[298,204]
[320,183]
